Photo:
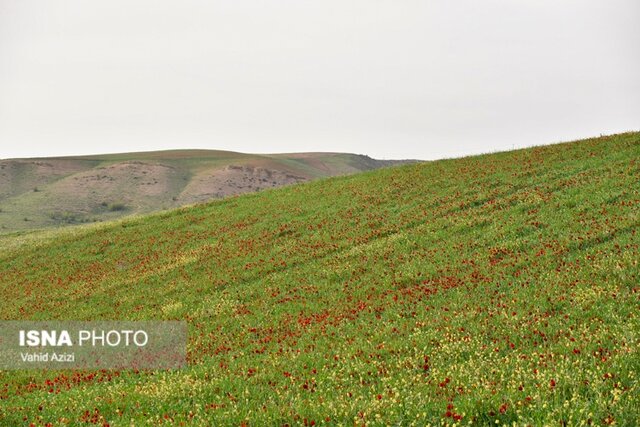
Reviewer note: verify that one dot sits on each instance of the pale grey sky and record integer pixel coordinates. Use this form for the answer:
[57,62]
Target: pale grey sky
[389,78]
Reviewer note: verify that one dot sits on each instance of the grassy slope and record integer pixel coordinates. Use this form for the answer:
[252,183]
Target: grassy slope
[498,287]
[50,192]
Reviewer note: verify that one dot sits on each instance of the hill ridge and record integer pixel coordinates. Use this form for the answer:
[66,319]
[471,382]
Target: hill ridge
[67,190]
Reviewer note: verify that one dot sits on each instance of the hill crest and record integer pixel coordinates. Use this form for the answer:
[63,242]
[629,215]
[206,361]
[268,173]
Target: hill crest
[56,191]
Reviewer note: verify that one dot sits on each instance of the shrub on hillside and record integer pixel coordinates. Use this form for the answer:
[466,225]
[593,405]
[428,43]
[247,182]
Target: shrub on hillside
[115,207]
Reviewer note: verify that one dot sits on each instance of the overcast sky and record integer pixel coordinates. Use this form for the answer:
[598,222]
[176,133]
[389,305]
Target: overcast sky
[389,78]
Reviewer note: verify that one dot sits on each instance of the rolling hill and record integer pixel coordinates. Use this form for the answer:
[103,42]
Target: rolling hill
[51,192]
[492,289]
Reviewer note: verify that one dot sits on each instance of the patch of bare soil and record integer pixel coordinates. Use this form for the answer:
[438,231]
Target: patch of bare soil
[18,176]
[234,179]
[129,179]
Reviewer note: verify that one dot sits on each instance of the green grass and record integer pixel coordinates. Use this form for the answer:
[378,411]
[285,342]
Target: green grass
[484,290]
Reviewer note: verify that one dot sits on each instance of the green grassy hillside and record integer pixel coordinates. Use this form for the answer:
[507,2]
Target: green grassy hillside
[484,290]
[52,192]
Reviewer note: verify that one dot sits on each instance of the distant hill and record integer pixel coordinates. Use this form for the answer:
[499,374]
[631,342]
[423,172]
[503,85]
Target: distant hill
[46,192]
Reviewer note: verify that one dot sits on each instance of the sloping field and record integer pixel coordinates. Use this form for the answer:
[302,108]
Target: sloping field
[484,290]
[51,192]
